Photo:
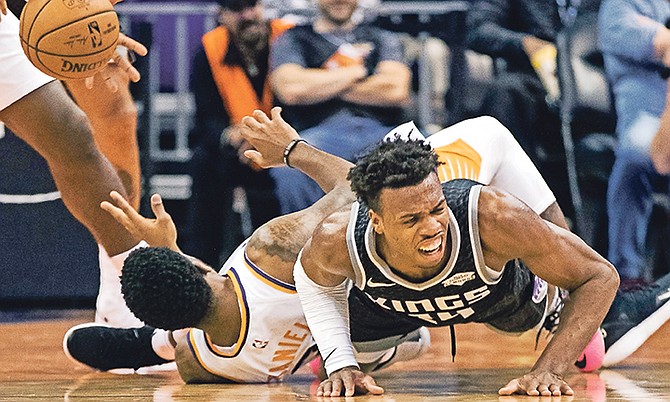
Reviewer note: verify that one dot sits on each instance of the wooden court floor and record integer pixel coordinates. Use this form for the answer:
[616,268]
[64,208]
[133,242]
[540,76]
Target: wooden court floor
[34,368]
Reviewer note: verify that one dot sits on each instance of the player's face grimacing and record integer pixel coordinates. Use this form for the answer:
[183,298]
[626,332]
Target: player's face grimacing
[414,221]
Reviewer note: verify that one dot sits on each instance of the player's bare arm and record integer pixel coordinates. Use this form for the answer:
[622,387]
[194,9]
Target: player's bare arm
[508,230]
[190,370]
[328,266]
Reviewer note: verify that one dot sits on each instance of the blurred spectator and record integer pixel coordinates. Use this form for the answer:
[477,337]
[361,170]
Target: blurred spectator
[343,85]
[519,34]
[636,48]
[660,145]
[229,81]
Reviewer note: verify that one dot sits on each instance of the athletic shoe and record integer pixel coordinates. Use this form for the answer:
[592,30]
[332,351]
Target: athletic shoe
[105,348]
[592,357]
[634,317]
[410,349]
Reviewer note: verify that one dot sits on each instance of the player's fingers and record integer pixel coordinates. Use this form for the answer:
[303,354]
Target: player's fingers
[117,214]
[261,116]
[131,214]
[543,390]
[325,388]
[510,388]
[158,208]
[132,45]
[371,386]
[251,123]
[254,156]
[276,114]
[337,388]
[566,389]
[555,389]
[124,64]
[349,386]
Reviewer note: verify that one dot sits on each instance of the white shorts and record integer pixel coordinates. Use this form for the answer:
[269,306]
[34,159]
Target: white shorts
[484,150]
[18,77]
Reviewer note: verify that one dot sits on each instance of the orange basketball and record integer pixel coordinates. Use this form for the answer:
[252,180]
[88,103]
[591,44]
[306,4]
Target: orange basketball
[69,39]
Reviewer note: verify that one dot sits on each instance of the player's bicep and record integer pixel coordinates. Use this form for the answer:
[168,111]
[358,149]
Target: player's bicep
[510,230]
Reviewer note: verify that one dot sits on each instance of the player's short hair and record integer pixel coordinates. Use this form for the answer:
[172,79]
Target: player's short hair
[394,163]
[164,288]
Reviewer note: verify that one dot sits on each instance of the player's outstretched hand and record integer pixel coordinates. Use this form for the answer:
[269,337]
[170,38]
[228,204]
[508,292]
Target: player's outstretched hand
[269,137]
[347,382]
[121,61]
[158,232]
[537,384]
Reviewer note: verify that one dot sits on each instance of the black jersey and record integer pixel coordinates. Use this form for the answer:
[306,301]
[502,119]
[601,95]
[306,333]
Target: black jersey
[465,290]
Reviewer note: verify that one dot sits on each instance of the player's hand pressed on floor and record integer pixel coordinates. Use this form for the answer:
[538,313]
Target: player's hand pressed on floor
[537,384]
[158,232]
[347,382]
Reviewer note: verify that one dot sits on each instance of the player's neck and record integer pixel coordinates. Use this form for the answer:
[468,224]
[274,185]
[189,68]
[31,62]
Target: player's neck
[223,322]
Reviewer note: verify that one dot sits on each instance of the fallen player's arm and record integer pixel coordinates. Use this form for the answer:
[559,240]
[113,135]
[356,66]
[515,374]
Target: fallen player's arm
[276,143]
[190,370]
[510,230]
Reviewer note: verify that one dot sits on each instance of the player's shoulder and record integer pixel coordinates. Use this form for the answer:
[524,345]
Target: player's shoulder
[329,237]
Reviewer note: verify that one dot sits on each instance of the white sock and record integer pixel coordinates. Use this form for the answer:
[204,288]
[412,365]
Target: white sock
[160,342]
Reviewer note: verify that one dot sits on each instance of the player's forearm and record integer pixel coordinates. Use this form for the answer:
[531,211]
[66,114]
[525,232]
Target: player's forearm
[581,317]
[327,170]
[295,85]
[327,314]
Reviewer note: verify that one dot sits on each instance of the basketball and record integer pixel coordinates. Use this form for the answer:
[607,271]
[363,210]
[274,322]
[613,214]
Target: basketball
[69,39]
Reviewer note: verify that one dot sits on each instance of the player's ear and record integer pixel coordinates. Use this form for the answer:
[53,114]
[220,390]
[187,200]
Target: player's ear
[376,222]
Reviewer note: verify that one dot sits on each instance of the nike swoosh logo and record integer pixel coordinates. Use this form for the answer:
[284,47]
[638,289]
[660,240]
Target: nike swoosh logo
[581,363]
[373,284]
[663,296]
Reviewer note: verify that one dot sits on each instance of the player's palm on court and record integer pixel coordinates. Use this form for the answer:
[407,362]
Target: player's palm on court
[158,232]
[537,384]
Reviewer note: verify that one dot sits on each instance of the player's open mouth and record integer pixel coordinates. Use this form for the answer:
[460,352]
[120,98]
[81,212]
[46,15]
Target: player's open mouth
[432,247]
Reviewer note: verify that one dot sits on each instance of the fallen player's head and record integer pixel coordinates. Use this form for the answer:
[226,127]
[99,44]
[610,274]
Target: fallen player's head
[165,289]
[395,163]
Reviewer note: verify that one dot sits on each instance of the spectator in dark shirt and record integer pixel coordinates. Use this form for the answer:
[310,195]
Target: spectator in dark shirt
[229,81]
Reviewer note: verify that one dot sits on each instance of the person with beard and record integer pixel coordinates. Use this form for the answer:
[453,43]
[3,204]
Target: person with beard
[229,81]
[343,85]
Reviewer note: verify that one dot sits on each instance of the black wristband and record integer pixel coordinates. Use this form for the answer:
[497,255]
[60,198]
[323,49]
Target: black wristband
[289,149]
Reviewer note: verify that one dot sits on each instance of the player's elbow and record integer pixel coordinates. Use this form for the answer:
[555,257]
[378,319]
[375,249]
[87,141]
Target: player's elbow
[608,277]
